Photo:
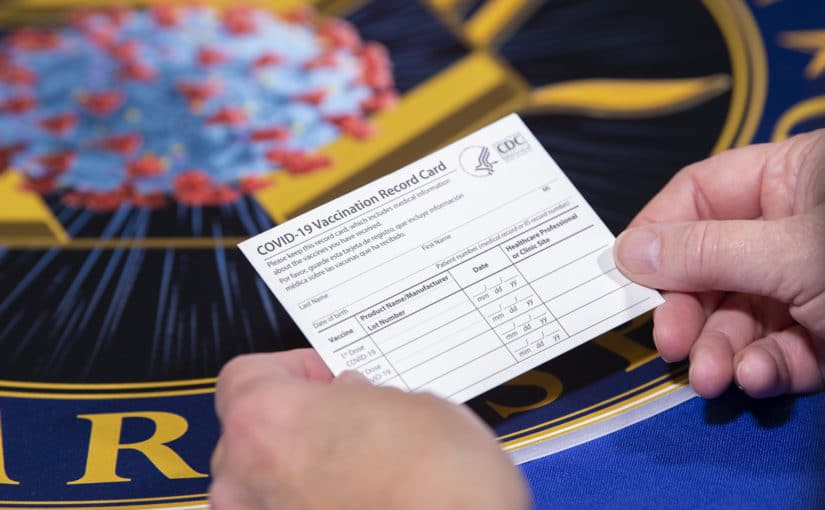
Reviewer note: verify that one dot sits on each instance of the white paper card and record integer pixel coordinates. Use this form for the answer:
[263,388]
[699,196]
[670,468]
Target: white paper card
[453,274]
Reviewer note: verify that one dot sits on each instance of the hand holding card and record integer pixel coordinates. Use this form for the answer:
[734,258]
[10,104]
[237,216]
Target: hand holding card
[293,438]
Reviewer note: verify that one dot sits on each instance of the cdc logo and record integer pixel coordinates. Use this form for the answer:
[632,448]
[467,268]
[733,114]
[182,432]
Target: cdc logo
[513,146]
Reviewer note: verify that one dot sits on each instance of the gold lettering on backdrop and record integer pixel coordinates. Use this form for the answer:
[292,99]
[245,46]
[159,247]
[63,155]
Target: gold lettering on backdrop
[4,477]
[547,382]
[801,112]
[105,445]
[620,344]
[808,41]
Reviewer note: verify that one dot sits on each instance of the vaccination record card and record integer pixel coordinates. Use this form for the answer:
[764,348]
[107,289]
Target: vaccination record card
[453,274]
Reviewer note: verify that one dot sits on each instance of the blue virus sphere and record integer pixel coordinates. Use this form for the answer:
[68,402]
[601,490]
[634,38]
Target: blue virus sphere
[184,104]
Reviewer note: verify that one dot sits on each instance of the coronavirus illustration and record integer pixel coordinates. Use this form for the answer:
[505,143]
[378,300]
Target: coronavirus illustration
[182,104]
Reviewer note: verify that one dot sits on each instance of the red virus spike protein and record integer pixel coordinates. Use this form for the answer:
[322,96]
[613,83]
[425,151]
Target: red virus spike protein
[381,100]
[182,104]
[125,51]
[81,19]
[103,37]
[134,70]
[106,201]
[154,200]
[298,162]
[147,165]
[16,105]
[7,153]
[277,156]
[269,134]
[102,103]
[199,91]
[239,20]
[355,126]
[57,162]
[267,59]
[31,39]
[117,16]
[211,56]
[339,34]
[315,97]
[253,183]
[121,144]
[14,74]
[300,15]
[376,67]
[228,116]
[193,187]
[326,59]
[59,124]
[223,195]
[97,201]
[42,185]
[167,15]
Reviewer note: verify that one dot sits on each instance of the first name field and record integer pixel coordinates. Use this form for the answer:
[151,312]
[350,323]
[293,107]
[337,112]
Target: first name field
[453,274]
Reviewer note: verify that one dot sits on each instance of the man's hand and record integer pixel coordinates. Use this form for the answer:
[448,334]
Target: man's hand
[738,241]
[294,438]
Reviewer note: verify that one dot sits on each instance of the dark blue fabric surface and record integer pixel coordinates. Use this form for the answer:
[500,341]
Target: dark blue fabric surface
[732,452]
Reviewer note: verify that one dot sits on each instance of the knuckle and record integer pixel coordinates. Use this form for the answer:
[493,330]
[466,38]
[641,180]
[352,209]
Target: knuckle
[804,145]
[264,408]
[245,412]
[247,435]
[702,204]
[700,249]
[233,369]
[229,377]
[238,421]
[796,240]
[812,229]
[792,170]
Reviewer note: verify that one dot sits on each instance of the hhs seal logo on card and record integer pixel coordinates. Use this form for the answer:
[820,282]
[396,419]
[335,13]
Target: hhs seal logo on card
[475,160]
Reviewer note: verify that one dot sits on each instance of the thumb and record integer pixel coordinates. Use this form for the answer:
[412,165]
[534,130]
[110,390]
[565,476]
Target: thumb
[780,259]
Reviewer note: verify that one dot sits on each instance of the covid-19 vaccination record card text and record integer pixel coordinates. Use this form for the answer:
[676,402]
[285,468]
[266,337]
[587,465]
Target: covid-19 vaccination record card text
[453,274]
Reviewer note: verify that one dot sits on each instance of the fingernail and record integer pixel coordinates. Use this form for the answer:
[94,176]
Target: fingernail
[637,251]
[666,359]
[656,343]
[352,376]
[738,377]
[744,370]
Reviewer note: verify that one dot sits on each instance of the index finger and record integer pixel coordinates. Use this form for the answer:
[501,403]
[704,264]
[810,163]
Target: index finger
[725,186]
